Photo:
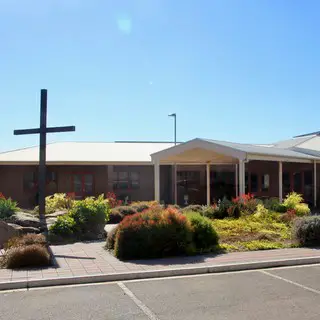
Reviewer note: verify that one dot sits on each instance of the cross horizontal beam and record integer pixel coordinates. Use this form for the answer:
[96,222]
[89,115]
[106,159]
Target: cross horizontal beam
[47,130]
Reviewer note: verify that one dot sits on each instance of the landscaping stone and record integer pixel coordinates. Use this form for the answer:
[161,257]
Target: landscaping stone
[24,230]
[25,220]
[50,221]
[6,232]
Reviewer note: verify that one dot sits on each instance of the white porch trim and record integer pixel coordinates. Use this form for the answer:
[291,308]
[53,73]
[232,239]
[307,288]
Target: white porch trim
[276,158]
[242,188]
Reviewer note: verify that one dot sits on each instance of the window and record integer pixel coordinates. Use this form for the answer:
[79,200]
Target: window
[254,182]
[29,181]
[265,182]
[126,180]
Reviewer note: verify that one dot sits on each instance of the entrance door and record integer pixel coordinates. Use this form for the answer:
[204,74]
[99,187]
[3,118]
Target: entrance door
[82,185]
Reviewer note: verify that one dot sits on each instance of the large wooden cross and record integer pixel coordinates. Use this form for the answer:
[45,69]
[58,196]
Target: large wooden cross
[42,131]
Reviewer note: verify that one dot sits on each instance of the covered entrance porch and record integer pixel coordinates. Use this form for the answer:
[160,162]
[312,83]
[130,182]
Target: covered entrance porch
[207,170]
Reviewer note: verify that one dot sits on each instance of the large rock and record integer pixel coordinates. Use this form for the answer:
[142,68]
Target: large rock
[24,230]
[6,232]
[25,220]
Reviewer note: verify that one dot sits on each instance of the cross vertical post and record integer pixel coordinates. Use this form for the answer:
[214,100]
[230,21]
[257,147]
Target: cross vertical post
[42,152]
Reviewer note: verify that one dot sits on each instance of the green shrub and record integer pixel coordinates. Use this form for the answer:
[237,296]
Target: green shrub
[224,206]
[272,204]
[90,214]
[7,207]
[292,199]
[34,255]
[111,238]
[281,208]
[302,209]
[204,235]
[153,233]
[57,202]
[306,231]
[64,226]
[26,240]
[212,212]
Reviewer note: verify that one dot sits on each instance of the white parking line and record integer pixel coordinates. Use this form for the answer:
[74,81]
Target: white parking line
[142,306]
[292,282]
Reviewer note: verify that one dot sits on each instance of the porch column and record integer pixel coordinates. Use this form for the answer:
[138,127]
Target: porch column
[157,181]
[242,177]
[236,181]
[280,182]
[175,184]
[315,184]
[208,185]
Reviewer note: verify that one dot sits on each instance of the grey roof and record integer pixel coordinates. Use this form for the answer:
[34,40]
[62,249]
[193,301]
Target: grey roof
[294,142]
[263,150]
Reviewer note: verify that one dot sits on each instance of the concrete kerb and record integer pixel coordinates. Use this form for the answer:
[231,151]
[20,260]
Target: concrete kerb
[231,267]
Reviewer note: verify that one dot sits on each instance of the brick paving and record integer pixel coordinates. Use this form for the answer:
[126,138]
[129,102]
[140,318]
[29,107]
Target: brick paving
[85,259]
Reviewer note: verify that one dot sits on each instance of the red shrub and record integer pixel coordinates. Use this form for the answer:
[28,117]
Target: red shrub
[153,233]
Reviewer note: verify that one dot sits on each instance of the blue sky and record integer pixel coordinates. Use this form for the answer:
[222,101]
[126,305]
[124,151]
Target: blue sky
[245,71]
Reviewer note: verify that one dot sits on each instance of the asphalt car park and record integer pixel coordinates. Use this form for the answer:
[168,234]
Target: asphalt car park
[282,293]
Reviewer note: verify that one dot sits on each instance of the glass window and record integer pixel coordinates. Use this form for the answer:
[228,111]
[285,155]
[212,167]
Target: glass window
[297,181]
[126,180]
[254,182]
[29,180]
[265,182]
[135,180]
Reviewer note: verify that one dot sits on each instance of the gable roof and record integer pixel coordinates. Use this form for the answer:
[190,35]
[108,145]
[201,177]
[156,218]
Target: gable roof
[238,150]
[86,152]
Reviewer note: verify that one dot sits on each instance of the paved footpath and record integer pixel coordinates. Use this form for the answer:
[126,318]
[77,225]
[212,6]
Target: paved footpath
[90,262]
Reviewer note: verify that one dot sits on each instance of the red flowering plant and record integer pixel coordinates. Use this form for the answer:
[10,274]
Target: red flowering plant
[2,196]
[153,233]
[112,200]
[244,204]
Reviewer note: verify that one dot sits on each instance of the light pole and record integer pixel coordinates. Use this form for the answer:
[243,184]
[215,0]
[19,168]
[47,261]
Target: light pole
[174,115]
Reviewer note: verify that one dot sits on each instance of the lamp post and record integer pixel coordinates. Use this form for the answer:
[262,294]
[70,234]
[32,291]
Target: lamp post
[174,115]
